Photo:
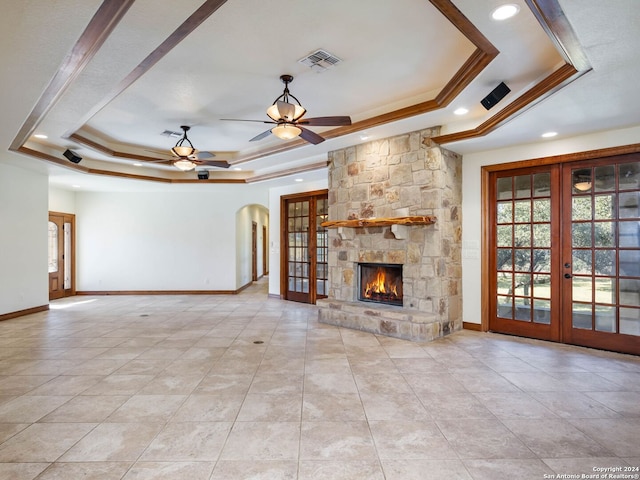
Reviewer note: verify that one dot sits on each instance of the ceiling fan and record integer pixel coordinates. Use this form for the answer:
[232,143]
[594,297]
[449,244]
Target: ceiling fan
[188,158]
[288,121]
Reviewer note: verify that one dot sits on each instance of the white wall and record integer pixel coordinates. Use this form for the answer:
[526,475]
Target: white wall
[274,225]
[23,239]
[471,200]
[62,201]
[244,221]
[166,240]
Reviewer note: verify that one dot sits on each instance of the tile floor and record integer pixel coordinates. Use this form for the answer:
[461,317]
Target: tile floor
[246,386]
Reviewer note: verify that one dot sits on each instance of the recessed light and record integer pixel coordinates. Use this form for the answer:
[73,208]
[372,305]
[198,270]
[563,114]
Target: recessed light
[505,11]
[299,180]
[460,111]
[237,168]
[137,164]
[40,135]
[549,134]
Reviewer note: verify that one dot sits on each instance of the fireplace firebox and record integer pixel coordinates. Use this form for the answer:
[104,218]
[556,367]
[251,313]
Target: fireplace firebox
[380,283]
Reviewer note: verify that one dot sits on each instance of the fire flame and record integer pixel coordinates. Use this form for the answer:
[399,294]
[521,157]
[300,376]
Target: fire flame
[379,286]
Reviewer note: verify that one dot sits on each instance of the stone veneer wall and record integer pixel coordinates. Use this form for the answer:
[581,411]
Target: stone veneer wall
[400,176]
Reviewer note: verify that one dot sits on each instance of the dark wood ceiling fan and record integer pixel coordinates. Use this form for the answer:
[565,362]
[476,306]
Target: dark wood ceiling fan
[288,119]
[185,157]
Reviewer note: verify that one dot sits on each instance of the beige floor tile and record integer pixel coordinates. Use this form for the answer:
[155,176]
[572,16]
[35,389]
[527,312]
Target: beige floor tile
[320,407]
[425,470]
[119,385]
[21,471]
[87,470]
[219,384]
[263,441]
[336,441]
[187,442]
[549,438]
[113,442]
[30,409]
[147,409]
[271,408]
[170,471]
[43,442]
[67,385]
[410,440]
[503,469]
[400,407]
[618,435]
[585,465]
[483,438]
[209,408]
[311,402]
[86,409]
[340,469]
[256,469]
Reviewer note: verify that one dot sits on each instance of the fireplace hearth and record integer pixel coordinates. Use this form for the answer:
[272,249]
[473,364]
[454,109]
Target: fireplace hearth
[380,283]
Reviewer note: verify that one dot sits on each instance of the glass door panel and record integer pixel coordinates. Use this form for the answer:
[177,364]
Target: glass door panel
[306,248]
[603,266]
[523,253]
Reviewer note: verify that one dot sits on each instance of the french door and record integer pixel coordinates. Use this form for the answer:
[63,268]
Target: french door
[61,260]
[305,253]
[565,253]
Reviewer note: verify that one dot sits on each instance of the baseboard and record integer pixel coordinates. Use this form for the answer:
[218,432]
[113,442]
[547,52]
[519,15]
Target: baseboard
[20,313]
[472,326]
[159,292]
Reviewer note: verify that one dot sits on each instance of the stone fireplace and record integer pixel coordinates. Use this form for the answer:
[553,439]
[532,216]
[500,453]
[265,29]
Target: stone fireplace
[403,176]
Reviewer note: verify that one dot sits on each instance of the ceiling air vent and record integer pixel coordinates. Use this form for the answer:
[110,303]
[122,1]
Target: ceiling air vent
[171,133]
[320,60]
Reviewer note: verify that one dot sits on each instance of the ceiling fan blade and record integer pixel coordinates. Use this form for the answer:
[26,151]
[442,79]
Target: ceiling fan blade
[310,136]
[244,120]
[214,163]
[336,121]
[264,134]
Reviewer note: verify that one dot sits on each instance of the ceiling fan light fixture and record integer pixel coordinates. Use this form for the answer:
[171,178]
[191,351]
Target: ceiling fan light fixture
[286,131]
[274,113]
[184,147]
[584,186]
[184,164]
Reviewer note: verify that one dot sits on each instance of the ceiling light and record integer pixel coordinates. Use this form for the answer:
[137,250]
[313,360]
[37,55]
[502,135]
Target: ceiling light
[40,135]
[237,168]
[184,147]
[184,164]
[505,11]
[299,180]
[549,134]
[583,186]
[137,164]
[286,131]
[461,111]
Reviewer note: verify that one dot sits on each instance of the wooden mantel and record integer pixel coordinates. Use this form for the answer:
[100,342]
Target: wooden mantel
[380,222]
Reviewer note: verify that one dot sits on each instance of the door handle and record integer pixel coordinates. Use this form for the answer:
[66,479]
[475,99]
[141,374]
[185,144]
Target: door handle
[567,275]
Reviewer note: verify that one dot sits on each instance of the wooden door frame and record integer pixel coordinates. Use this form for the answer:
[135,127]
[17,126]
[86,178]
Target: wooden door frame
[254,251]
[265,251]
[71,219]
[283,239]
[486,227]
